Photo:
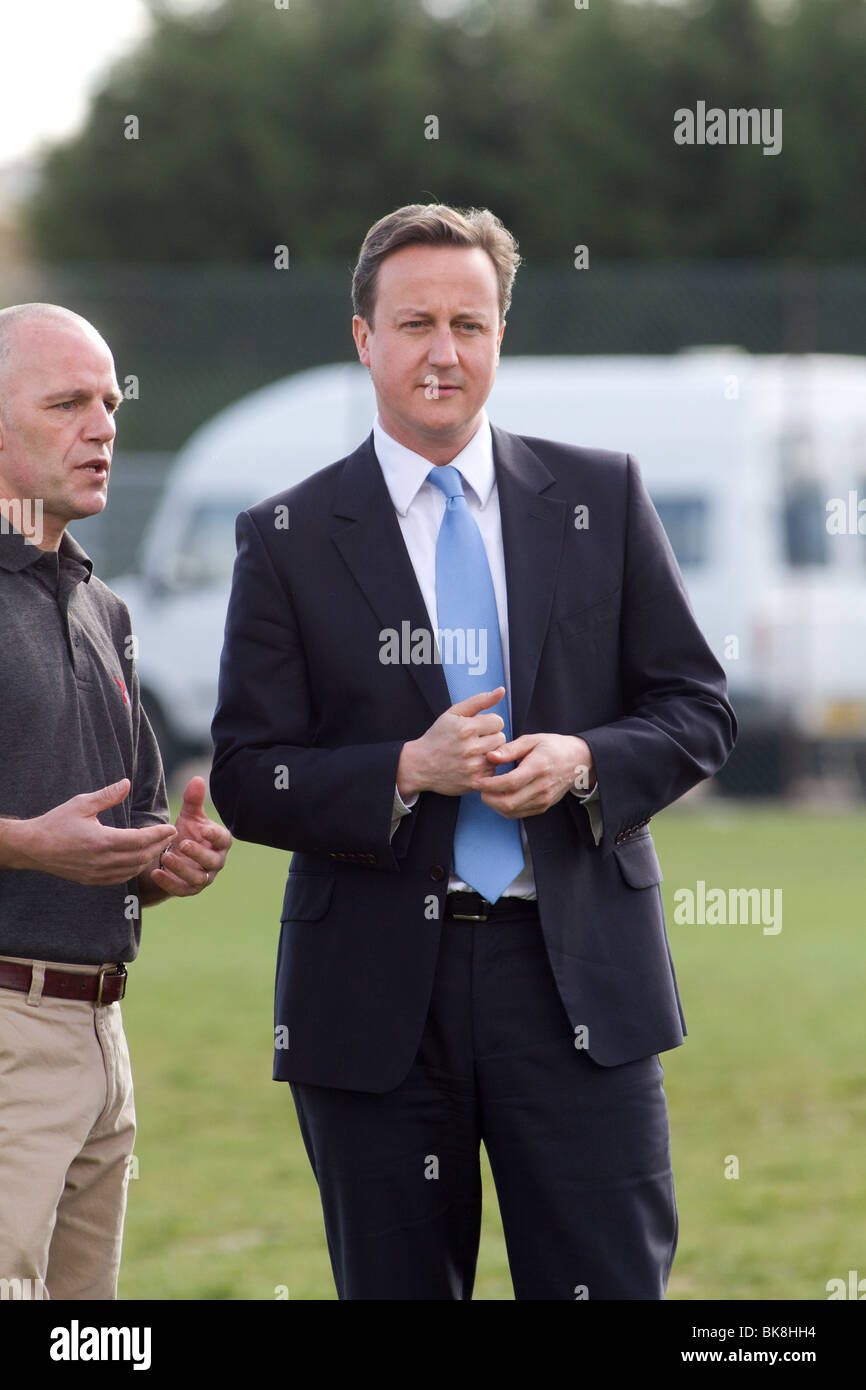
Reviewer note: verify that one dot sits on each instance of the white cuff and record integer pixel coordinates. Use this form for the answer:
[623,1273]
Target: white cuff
[400,809]
[592,802]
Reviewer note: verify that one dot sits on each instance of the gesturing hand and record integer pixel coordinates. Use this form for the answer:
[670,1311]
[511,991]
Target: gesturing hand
[199,849]
[69,842]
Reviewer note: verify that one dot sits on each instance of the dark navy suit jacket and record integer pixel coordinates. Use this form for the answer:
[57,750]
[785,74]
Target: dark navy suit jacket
[310,724]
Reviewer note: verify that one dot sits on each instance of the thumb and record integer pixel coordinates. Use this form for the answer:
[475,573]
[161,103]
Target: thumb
[193,797]
[474,704]
[108,796]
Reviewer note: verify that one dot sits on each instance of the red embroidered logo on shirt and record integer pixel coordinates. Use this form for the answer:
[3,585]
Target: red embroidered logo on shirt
[122,690]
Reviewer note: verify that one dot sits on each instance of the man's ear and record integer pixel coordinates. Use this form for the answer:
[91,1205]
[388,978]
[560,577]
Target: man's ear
[361,331]
[499,339]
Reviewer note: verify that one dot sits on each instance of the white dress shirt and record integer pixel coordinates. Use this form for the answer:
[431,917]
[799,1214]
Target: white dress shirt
[420,507]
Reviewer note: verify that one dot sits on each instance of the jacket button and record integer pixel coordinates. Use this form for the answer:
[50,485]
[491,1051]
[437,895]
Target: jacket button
[437,873]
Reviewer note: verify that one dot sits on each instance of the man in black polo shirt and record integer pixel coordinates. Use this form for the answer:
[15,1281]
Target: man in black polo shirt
[84,836]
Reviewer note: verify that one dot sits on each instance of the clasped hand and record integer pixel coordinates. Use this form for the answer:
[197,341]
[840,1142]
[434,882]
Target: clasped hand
[461,750]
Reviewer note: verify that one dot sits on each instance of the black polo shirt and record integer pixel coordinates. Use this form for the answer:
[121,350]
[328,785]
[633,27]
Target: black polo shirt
[70,722]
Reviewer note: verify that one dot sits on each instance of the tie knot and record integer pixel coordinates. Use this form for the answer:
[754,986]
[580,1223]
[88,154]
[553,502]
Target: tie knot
[447,478]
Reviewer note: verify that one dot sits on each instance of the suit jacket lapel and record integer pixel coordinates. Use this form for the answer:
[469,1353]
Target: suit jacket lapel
[368,536]
[533,527]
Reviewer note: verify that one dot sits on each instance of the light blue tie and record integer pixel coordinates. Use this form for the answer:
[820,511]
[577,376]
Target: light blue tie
[488,853]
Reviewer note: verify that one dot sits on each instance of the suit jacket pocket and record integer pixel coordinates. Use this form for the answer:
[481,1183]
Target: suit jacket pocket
[307,897]
[638,861]
[601,611]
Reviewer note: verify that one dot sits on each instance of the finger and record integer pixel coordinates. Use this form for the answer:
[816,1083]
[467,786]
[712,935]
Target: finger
[505,783]
[516,749]
[474,704]
[148,839]
[514,787]
[503,808]
[212,834]
[483,724]
[171,883]
[118,870]
[122,862]
[187,870]
[200,855]
[482,743]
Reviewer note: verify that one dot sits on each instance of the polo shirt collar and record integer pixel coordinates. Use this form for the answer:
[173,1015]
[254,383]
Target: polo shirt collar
[17,554]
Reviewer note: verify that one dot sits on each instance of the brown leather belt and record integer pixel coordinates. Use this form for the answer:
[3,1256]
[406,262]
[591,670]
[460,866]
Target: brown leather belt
[106,986]
[471,907]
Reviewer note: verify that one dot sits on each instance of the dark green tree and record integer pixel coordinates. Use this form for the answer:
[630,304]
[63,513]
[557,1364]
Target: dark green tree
[260,126]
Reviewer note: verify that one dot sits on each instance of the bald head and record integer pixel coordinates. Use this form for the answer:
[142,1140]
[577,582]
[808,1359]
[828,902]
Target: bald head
[20,321]
[19,314]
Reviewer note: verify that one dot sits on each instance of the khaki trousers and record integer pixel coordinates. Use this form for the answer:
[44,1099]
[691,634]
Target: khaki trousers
[67,1128]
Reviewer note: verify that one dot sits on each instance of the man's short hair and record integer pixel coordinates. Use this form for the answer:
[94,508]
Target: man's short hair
[433,224]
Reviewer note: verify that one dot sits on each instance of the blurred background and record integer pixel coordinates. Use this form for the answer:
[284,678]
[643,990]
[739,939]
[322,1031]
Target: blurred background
[196,179]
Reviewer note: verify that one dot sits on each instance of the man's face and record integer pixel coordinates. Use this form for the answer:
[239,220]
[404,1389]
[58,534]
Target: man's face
[434,349]
[58,395]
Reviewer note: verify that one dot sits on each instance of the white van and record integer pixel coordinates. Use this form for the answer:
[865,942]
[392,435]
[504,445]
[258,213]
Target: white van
[757,466]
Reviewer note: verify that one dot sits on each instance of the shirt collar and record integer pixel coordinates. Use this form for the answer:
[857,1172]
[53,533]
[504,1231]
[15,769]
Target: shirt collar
[71,550]
[17,554]
[405,471]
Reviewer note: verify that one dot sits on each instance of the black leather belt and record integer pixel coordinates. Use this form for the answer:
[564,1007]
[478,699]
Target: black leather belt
[104,986]
[471,907]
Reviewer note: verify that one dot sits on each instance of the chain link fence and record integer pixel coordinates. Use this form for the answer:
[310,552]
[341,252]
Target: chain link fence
[196,339]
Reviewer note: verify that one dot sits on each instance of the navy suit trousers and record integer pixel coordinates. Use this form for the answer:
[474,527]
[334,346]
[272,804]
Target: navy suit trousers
[580,1153]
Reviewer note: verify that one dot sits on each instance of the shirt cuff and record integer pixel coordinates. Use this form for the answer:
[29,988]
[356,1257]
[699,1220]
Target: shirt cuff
[400,809]
[592,802]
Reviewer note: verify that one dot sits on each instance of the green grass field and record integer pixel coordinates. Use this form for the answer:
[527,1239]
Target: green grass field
[223,1204]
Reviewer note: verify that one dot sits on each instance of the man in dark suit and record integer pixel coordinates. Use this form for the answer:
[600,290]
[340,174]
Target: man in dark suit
[473,946]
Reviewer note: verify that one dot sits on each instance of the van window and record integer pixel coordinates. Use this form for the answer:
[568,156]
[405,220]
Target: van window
[805,523]
[207,549]
[685,520]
